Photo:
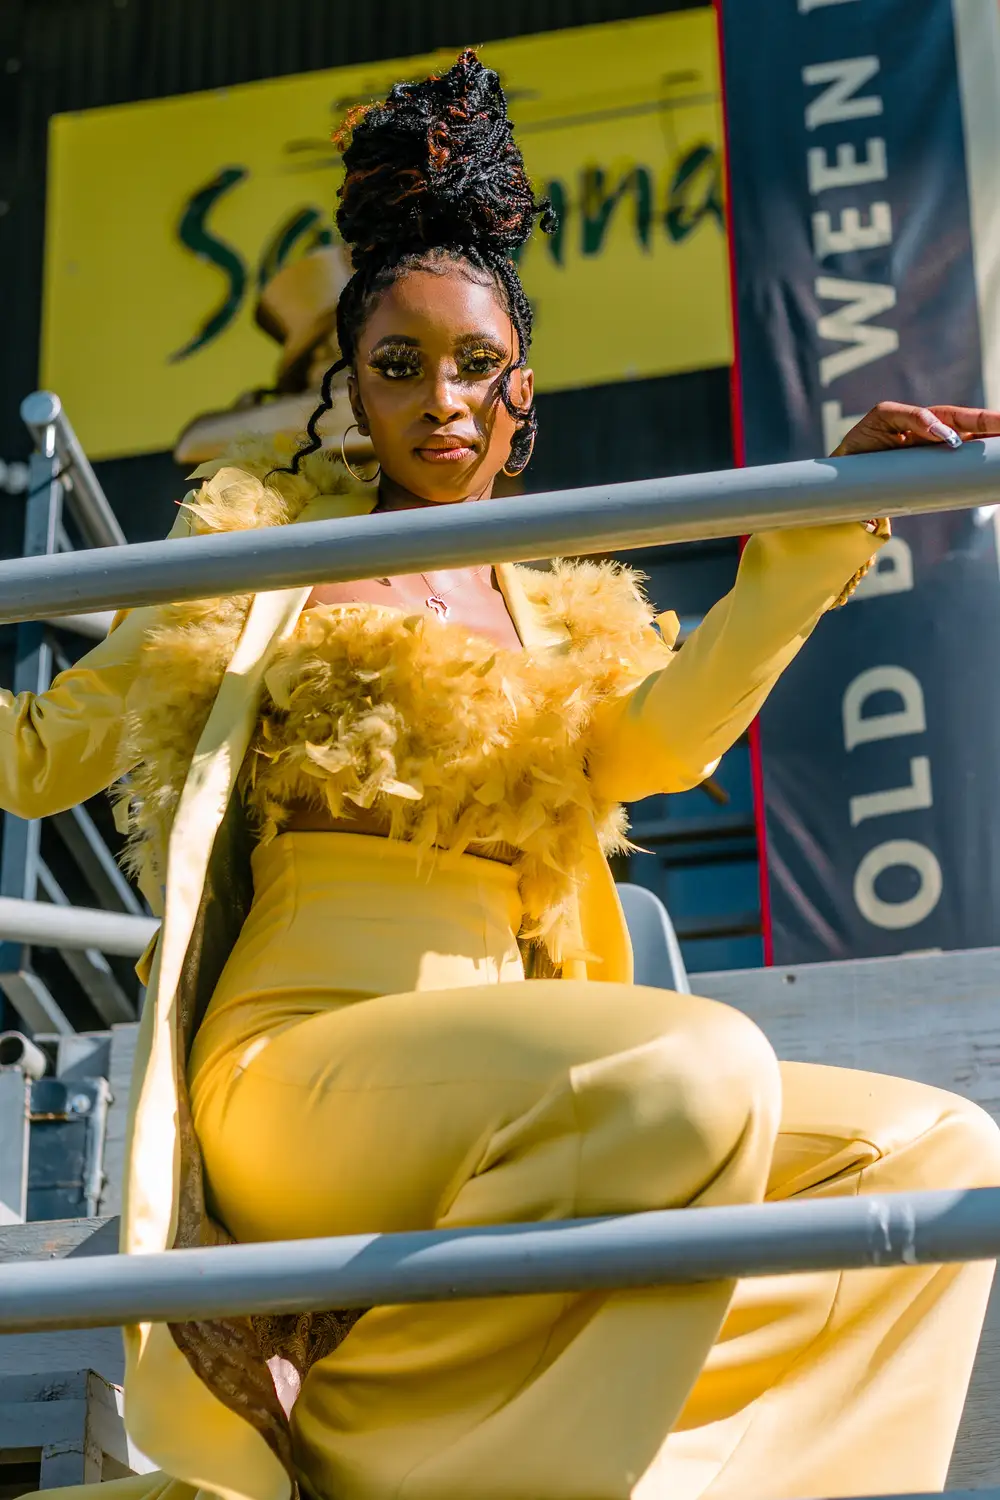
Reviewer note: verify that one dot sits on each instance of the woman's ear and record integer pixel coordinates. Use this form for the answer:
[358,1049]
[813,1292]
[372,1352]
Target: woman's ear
[522,387]
[354,395]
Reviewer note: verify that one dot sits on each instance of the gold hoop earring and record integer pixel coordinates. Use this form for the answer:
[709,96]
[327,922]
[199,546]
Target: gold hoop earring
[360,478]
[513,473]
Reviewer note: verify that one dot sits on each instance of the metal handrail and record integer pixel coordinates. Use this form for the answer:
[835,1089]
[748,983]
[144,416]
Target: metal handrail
[75,927]
[42,414]
[638,1250]
[603,518]
[95,627]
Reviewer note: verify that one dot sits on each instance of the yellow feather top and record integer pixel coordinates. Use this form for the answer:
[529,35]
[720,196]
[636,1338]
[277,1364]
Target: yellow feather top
[459,743]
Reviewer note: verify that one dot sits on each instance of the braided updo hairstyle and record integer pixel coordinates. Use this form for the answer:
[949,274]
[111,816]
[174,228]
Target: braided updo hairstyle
[433,174]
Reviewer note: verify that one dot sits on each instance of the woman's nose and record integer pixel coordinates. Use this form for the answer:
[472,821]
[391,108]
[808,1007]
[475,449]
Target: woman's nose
[444,403]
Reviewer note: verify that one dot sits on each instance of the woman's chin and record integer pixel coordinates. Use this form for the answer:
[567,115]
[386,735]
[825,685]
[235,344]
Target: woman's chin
[445,484]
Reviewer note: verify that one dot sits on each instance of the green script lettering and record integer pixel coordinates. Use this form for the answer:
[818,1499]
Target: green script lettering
[695,193]
[194,233]
[598,204]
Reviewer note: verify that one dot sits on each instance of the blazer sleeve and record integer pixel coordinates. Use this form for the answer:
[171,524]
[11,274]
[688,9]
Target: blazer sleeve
[62,746]
[670,732]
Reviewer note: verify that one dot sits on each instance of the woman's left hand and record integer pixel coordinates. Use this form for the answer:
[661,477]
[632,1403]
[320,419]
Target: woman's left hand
[893,425]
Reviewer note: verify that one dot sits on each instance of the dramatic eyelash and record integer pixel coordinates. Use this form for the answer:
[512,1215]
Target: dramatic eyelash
[481,348]
[395,354]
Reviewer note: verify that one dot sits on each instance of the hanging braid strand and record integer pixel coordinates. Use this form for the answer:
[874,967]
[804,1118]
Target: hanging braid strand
[432,175]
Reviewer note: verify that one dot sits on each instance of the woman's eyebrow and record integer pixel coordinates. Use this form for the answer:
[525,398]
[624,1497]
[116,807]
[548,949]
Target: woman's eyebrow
[394,340]
[479,341]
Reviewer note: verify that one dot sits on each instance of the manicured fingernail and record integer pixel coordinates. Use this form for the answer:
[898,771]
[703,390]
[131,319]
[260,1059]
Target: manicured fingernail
[945,433]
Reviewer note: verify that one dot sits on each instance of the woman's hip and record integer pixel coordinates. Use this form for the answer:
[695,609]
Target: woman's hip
[550,1099]
[584,1097]
[338,918]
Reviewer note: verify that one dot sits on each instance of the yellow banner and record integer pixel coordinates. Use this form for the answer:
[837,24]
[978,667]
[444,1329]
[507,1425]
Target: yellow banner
[167,222]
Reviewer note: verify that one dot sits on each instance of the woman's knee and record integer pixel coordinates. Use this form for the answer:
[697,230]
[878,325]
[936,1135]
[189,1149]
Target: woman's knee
[688,1115]
[973,1145]
[918,1136]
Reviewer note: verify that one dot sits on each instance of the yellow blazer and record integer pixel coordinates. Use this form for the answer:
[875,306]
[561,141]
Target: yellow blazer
[65,745]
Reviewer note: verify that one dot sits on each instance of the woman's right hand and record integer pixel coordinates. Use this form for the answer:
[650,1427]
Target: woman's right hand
[892,424]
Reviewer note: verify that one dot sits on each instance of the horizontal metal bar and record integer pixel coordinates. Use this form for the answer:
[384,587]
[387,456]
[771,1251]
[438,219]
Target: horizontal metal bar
[34,1003]
[89,504]
[94,627]
[41,923]
[368,1270]
[687,830]
[88,966]
[704,856]
[734,925]
[97,864]
[17,1051]
[605,518]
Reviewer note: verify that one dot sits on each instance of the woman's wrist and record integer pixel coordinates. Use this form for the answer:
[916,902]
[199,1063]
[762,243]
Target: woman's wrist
[880,528]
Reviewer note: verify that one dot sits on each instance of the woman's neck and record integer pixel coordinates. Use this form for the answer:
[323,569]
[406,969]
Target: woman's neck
[392,496]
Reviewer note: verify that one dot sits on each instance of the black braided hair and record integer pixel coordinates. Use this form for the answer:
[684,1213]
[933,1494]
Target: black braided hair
[432,175]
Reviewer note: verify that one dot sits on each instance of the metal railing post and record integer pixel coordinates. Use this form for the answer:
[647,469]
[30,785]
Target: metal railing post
[42,413]
[60,480]
[19,860]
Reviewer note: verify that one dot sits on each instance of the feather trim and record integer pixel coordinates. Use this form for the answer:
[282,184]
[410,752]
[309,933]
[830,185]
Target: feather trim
[186,653]
[458,742]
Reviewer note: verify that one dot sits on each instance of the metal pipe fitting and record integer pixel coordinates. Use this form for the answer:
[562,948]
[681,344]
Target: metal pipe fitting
[17,1051]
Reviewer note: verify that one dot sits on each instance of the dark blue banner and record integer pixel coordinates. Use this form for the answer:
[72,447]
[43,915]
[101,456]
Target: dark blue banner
[856,280]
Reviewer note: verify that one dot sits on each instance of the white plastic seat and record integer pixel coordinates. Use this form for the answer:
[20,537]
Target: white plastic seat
[656,951]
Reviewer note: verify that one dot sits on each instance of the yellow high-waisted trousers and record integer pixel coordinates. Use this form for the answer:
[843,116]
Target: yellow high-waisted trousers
[370,1063]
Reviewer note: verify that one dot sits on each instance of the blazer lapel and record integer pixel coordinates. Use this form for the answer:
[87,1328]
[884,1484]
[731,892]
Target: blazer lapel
[535,633]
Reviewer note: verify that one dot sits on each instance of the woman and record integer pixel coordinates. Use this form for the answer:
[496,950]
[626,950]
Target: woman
[431,768]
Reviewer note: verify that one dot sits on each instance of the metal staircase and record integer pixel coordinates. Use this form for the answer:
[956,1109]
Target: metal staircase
[65,508]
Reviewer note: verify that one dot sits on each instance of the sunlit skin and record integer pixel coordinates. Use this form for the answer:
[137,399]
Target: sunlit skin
[426,389]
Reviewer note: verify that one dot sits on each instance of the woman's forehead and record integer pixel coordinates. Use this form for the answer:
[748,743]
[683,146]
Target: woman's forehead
[442,305]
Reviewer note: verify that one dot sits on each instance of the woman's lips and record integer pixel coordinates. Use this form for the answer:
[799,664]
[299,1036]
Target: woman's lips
[450,455]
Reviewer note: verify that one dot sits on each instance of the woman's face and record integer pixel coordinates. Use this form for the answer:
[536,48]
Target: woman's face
[427,384]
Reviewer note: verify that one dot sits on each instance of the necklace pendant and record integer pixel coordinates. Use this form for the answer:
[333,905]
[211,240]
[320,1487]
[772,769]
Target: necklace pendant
[437,605]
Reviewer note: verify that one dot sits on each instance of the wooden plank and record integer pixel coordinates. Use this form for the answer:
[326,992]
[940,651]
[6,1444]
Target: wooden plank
[53,1385]
[56,1239]
[13,1145]
[106,1430]
[41,1354]
[40,1424]
[97,1349]
[74,1418]
[123,1043]
[931,1017]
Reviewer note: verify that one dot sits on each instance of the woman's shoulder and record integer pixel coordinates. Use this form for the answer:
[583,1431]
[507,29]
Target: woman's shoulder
[252,484]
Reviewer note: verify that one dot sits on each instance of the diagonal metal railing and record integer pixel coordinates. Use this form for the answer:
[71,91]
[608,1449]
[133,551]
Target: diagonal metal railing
[603,518]
[638,1250]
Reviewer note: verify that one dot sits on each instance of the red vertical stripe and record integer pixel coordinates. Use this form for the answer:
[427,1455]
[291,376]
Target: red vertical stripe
[739,460]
